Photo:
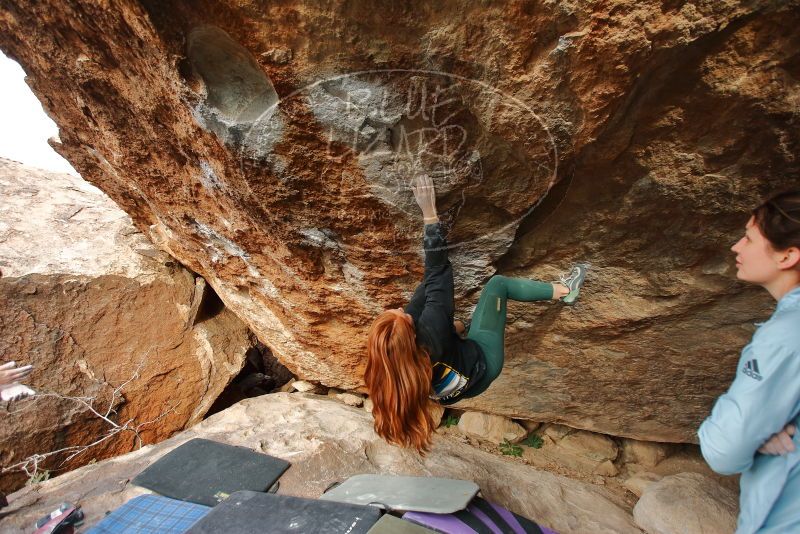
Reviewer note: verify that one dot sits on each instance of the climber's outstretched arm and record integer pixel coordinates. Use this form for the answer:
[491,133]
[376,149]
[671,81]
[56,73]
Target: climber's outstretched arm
[414,307]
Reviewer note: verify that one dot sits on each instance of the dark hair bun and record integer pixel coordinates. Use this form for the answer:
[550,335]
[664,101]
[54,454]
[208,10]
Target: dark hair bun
[778,218]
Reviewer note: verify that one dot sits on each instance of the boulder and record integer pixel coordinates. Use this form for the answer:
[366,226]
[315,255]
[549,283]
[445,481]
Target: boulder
[288,387]
[590,445]
[689,459]
[333,392]
[686,503]
[113,327]
[583,133]
[579,450]
[556,432]
[437,412]
[305,387]
[489,427]
[326,441]
[645,453]
[606,468]
[638,482]
[351,399]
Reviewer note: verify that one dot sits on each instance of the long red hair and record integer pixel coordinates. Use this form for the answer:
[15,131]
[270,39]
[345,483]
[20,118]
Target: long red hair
[398,376]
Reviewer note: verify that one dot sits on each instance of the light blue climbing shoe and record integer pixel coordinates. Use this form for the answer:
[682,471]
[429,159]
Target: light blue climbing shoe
[574,281]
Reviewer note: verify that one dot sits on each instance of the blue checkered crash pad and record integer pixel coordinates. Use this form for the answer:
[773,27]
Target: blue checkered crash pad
[151,514]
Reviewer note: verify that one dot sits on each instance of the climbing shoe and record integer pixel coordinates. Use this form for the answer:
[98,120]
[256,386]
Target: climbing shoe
[573,281]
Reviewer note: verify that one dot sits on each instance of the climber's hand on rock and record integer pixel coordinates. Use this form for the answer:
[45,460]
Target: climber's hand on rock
[425,195]
[780,443]
[10,373]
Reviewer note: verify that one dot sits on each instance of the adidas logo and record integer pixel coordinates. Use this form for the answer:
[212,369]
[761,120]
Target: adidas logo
[751,369]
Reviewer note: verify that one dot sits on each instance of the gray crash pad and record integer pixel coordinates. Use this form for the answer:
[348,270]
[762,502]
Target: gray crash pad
[405,494]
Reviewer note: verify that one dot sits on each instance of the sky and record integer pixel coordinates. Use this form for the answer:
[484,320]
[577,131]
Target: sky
[24,126]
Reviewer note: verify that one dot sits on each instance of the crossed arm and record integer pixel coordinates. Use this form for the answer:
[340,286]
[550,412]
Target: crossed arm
[780,443]
[751,417]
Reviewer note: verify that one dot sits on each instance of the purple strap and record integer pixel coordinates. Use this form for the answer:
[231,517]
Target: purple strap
[446,523]
[451,524]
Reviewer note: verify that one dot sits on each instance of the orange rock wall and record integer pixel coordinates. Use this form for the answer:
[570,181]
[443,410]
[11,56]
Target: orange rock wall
[127,346]
[632,135]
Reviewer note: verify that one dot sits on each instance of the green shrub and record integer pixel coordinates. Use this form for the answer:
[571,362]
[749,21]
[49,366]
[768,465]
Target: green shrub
[510,449]
[534,441]
[450,420]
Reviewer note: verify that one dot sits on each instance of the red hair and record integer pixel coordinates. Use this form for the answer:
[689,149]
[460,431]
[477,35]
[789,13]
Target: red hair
[398,376]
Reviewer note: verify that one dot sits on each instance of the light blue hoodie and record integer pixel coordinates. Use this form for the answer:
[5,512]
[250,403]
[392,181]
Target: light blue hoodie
[763,398]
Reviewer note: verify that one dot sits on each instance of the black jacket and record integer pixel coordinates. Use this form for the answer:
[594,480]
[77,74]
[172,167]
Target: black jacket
[458,363]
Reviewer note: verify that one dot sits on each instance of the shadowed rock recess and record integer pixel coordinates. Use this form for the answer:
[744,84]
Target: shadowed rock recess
[268,147]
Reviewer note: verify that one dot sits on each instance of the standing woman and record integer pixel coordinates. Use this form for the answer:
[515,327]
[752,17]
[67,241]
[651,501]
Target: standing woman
[744,432]
[416,355]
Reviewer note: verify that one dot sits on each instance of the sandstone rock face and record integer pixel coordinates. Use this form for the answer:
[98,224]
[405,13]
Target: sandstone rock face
[326,441]
[578,450]
[303,386]
[645,453]
[633,135]
[530,426]
[437,412]
[332,392]
[639,482]
[591,445]
[57,224]
[691,461]
[687,503]
[490,427]
[108,322]
[350,399]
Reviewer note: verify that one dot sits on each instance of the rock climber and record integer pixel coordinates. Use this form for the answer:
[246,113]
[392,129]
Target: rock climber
[416,355]
[752,427]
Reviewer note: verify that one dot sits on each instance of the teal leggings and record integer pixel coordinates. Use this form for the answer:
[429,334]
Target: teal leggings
[488,323]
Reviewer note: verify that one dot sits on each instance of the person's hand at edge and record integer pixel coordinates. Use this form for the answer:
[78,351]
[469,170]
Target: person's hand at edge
[9,373]
[780,443]
[15,391]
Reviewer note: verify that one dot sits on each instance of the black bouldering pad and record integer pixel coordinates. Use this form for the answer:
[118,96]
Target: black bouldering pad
[206,472]
[246,512]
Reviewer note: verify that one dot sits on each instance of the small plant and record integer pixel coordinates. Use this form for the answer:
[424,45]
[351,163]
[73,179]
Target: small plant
[38,477]
[450,420]
[510,449]
[534,441]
